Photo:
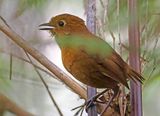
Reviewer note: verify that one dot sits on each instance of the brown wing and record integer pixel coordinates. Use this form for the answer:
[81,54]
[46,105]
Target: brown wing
[113,66]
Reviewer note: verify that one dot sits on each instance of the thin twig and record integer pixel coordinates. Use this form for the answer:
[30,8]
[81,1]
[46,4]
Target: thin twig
[46,86]
[113,37]
[118,26]
[107,24]
[82,111]
[102,4]
[10,67]
[79,111]
[78,107]
[145,27]
[122,92]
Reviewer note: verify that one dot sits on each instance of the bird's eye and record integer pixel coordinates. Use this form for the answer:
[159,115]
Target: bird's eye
[61,23]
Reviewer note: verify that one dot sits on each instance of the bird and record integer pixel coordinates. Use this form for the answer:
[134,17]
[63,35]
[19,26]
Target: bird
[89,58]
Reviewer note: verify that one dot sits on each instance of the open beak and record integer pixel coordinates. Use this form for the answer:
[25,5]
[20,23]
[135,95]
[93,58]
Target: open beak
[47,26]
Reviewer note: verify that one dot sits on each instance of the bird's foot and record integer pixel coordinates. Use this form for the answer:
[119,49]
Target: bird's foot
[93,100]
[90,102]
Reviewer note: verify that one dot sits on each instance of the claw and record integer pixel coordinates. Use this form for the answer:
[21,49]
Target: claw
[89,103]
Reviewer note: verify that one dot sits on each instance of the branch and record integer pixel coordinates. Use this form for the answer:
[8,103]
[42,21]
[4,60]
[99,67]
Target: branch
[91,24]
[134,57]
[7,105]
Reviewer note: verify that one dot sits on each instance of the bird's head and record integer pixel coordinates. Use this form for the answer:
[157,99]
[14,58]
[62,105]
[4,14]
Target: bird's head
[65,24]
[71,32]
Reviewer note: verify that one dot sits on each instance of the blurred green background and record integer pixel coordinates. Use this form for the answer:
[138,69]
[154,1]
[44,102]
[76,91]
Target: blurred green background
[24,16]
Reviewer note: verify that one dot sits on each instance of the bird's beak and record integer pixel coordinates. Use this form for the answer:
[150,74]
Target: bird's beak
[47,26]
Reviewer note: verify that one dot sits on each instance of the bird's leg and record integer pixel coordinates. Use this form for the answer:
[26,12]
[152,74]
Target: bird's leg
[116,90]
[90,102]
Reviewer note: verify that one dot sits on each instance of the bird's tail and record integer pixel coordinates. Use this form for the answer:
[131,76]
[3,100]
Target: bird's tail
[135,76]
